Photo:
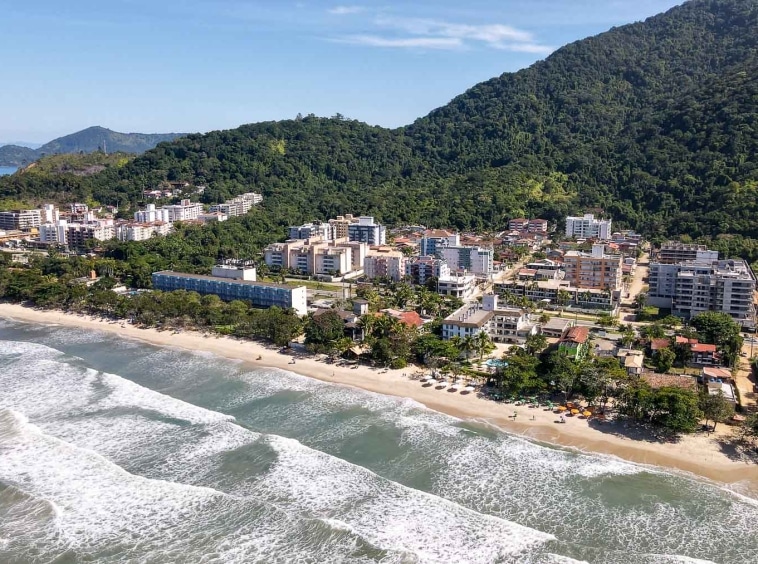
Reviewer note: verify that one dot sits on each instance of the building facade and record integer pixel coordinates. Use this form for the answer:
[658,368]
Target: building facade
[384,262]
[422,269]
[693,287]
[260,294]
[471,259]
[365,230]
[595,270]
[20,219]
[674,252]
[435,239]
[588,227]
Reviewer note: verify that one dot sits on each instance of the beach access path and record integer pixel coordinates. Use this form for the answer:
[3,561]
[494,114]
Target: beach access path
[707,455]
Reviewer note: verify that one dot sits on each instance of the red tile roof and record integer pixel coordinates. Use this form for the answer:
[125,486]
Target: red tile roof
[702,347]
[685,341]
[578,335]
[657,344]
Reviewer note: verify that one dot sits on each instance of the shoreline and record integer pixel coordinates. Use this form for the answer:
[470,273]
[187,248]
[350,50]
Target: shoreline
[701,455]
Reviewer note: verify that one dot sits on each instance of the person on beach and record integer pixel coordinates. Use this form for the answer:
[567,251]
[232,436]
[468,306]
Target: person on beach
[514,415]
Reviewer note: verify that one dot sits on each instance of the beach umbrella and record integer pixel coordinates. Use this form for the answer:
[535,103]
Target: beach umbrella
[431,381]
[574,411]
[442,385]
[562,408]
[469,389]
[586,413]
[454,386]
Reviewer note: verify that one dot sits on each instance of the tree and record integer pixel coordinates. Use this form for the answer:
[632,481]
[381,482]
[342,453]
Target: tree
[640,300]
[627,337]
[716,408]
[664,359]
[483,344]
[720,329]
[536,343]
[607,320]
[324,330]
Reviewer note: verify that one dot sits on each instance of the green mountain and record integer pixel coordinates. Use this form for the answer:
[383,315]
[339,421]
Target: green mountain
[86,141]
[654,122]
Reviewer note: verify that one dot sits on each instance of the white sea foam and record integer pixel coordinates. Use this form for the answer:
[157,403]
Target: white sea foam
[388,514]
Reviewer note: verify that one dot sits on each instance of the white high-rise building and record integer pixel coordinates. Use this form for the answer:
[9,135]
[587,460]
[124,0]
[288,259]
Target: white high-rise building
[366,231]
[588,227]
[151,214]
[50,214]
[476,260]
[54,233]
[185,211]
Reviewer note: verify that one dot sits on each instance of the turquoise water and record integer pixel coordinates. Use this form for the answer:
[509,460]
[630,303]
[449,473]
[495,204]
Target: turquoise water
[4,170]
[116,451]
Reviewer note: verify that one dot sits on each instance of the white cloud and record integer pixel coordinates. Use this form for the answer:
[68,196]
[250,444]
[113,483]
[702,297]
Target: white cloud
[345,10]
[403,42]
[435,34]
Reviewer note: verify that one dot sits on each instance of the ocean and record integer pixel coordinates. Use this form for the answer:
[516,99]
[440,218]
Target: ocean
[116,451]
[5,170]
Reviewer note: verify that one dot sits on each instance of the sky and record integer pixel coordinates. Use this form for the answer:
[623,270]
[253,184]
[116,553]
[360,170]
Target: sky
[156,66]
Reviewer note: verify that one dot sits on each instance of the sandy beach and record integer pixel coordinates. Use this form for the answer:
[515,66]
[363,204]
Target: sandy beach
[707,456]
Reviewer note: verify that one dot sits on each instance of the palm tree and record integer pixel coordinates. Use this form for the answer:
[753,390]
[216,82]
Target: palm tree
[483,344]
[467,345]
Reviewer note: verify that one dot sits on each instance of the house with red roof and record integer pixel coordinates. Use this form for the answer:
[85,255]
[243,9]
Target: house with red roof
[575,342]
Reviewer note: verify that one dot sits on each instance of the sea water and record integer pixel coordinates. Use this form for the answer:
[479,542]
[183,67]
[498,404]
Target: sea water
[5,170]
[116,451]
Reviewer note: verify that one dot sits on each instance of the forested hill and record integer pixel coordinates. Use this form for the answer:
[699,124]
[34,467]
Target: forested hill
[655,122]
[85,141]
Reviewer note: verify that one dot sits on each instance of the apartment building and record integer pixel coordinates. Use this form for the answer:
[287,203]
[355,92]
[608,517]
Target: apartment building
[674,252]
[422,269]
[559,292]
[21,220]
[77,234]
[316,256]
[588,227]
[461,286]
[341,224]
[502,325]
[595,270]
[54,233]
[134,231]
[518,224]
[477,260]
[260,294]
[184,211]
[436,239]
[151,214]
[693,287]
[239,205]
[385,262]
[49,213]
[537,226]
[365,230]
[326,231]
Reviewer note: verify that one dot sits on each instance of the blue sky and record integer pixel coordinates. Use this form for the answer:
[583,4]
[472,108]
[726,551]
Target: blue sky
[199,65]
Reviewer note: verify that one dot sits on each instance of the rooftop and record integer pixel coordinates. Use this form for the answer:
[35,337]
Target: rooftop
[670,381]
[226,280]
[577,335]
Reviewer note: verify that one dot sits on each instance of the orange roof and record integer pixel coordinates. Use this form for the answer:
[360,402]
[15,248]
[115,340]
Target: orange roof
[685,341]
[702,347]
[657,344]
[578,334]
[713,372]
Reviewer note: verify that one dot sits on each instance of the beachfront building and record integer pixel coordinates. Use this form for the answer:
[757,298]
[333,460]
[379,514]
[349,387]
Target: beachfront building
[385,262]
[674,252]
[461,286]
[575,343]
[502,325]
[436,239]
[459,258]
[228,287]
[588,227]
[77,234]
[693,287]
[595,270]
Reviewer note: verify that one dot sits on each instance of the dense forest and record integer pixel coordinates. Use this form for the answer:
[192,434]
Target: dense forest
[653,122]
